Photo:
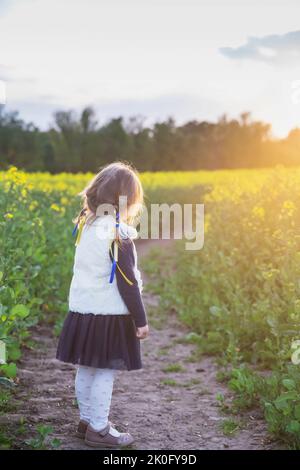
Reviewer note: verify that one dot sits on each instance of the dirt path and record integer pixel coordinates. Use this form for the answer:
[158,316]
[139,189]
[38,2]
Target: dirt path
[161,415]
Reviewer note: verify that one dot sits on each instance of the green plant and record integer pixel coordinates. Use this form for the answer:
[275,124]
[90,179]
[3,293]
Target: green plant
[42,441]
[230,427]
[170,382]
[173,368]
[239,295]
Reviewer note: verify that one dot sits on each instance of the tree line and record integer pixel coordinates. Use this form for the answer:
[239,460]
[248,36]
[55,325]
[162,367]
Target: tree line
[77,143]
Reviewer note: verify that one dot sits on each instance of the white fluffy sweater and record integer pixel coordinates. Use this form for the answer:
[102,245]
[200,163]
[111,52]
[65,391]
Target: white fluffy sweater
[90,290]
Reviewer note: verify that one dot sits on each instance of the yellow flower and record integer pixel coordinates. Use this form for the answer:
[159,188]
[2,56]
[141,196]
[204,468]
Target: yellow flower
[33,205]
[289,205]
[8,215]
[288,208]
[12,170]
[64,201]
[55,207]
[258,212]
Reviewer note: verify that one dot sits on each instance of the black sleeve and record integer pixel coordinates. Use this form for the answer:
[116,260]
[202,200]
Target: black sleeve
[130,294]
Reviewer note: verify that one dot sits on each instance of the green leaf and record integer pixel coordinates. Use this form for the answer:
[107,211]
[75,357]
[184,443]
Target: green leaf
[289,384]
[55,443]
[281,402]
[14,353]
[293,426]
[192,337]
[10,370]
[297,412]
[44,430]
[1,276]
[20,310]
[270,411]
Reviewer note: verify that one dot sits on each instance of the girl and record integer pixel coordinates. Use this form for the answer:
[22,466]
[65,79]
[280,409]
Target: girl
[107,318]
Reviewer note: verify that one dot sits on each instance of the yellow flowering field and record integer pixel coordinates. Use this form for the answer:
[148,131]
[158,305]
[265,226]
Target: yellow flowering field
[239,295]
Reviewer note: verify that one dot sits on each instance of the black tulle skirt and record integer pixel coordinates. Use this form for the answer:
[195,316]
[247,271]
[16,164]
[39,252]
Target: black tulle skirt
[102,341]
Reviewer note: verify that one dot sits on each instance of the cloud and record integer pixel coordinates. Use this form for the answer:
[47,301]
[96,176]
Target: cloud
[11,74]
[5,72]
[5,5]
[272,49]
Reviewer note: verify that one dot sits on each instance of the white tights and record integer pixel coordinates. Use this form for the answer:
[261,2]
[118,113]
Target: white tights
[93,388]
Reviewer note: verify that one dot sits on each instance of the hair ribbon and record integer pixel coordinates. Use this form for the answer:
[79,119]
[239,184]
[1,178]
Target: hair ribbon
[115,253]
[78,229]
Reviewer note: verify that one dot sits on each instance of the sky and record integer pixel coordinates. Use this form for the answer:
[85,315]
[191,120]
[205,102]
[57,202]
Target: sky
[189,59]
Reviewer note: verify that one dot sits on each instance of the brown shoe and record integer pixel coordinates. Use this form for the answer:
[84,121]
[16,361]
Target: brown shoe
[103,438]
[82,427]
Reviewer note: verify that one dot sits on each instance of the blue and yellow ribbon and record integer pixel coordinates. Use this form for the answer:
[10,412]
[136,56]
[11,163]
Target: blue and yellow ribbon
[115,253]
[78,229]
[119,269]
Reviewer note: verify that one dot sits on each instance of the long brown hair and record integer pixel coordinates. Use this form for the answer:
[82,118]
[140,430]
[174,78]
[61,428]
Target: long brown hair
[113,181]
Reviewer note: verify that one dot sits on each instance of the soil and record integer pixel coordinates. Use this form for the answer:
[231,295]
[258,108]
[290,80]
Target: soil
[163,410]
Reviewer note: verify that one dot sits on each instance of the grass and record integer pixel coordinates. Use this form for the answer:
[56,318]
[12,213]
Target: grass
[173,368]
[174,383]
[164,350]
[230,427]
[42,440]
[170,382]
[6,404]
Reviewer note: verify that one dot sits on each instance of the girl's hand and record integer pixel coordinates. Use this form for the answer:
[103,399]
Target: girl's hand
[142,332]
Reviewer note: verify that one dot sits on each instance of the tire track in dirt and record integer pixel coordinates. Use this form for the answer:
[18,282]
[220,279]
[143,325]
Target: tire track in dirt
[158,414]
